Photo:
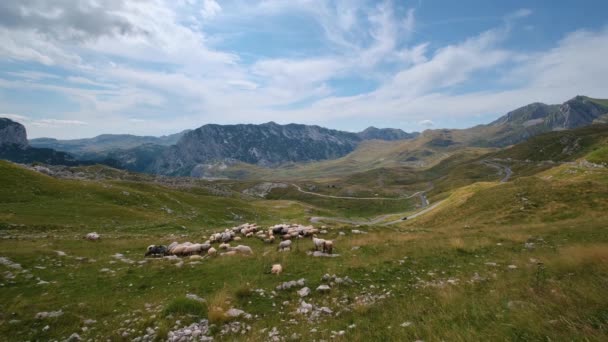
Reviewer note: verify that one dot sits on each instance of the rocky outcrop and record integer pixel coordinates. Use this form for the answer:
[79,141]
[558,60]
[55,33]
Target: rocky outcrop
[12,134]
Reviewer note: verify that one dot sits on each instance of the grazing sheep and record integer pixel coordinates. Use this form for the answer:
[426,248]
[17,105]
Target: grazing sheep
[284,245]
[195,248]
[242,249]
[318,243]
[226,237]
[92,236]
[237,238]
[276,269]
[171,246]
[229,253]
[224,246]
[159,250]
[328,246]
[212,251]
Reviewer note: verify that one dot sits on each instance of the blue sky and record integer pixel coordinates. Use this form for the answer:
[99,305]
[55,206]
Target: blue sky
[79,68]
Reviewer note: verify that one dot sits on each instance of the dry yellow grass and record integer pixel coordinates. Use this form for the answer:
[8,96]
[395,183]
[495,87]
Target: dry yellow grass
[582,255]
[218,305]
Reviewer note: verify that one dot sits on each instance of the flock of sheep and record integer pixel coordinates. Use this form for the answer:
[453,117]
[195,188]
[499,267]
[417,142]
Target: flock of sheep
[284,232]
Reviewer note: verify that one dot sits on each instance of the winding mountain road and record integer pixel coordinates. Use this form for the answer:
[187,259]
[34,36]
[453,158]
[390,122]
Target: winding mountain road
[356,198]
[424,202]
[502,169]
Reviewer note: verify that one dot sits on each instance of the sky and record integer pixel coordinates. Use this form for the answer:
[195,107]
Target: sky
[79,68]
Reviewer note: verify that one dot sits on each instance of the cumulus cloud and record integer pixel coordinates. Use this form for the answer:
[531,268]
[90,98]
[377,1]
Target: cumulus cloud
[28,121]
[67,19]
[426,123]
[210,9]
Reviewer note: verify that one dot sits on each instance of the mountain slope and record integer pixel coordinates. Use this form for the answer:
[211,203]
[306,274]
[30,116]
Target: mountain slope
[12,134]
[536,118]
[388,134]
[267,145]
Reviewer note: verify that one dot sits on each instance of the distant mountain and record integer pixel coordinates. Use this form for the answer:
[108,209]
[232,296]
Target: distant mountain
[523,123]
[537,118]
[268,144]
[386,134]
[14,147]
[101,145]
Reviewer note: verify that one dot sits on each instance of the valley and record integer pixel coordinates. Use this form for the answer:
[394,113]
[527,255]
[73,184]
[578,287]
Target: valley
[477,236]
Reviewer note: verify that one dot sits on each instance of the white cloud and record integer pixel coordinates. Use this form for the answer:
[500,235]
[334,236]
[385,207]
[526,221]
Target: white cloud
[210,9]
[14,117]
[426,123]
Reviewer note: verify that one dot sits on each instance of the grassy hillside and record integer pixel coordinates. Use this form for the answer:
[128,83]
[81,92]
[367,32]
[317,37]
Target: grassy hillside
[477,268]
[568,145]
[34,199]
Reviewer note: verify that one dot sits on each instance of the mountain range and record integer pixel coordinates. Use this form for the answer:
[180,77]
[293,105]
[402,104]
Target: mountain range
[270,145]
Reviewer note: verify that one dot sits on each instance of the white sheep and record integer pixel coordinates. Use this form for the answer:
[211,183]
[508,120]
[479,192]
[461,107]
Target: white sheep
[212,251]
[276,269]
[284,245]
[242,249]
[318,243]
[92,236]
[224,246]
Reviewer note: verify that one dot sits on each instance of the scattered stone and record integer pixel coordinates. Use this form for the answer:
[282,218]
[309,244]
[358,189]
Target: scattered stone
[323,288]
[321,254]
[49,314]
[304,308]
[194,332]
[406,324]
[73,338]
[303,292]
[195,297]
[235,313]
[8,263]
[512,267]
[326,310]
[289,284]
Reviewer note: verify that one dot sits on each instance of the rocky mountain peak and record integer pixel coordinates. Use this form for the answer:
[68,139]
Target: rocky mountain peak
[12,134]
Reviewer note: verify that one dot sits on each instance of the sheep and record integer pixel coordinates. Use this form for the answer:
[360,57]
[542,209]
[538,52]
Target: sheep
[318,243]
[171,246]
[215,237]
[270,239]
[92,236]
[180,249]
[156,250]
[242,249]
[328,246]
[237,238]
[224,245]
[226,237]
[284,245]
[229,253]
[212,251]
[195,248]
[276,269]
